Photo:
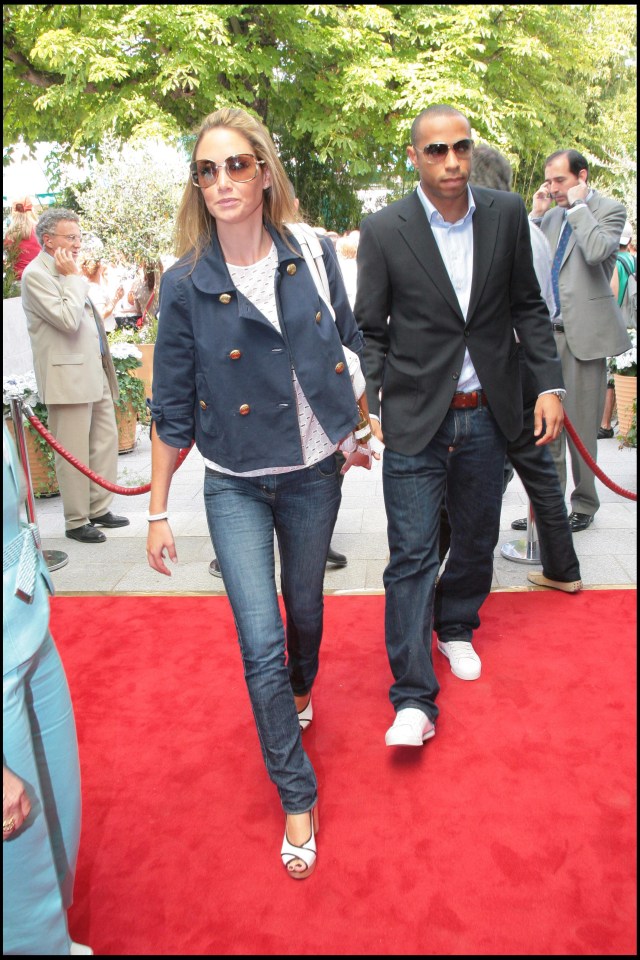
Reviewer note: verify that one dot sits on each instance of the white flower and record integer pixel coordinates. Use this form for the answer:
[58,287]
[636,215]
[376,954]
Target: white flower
[22,385]
[122,351]
[630,357]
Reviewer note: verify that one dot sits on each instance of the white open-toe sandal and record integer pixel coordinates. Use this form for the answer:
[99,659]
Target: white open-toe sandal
[306,853]
[305,716]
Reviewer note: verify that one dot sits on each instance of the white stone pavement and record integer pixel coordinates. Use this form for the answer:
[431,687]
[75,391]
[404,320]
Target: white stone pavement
[607,550]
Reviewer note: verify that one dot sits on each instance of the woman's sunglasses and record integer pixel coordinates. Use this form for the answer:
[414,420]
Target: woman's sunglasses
[241,168]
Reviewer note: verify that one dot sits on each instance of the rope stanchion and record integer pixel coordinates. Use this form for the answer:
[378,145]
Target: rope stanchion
[527,550]
[113,487]
[54,559]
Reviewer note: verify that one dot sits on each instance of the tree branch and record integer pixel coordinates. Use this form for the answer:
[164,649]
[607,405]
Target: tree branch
[33,76]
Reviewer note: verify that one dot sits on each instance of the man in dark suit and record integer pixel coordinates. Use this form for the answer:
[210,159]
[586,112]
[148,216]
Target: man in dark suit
[445,275]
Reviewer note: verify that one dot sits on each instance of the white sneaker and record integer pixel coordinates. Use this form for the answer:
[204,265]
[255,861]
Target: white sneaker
[410,728]
[465,662]
[80,950]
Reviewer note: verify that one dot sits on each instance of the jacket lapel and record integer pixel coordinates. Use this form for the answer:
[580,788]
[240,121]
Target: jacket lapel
[486,220]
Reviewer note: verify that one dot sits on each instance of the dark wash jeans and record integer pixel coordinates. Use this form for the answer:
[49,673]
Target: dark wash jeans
[242,514]
[465,458]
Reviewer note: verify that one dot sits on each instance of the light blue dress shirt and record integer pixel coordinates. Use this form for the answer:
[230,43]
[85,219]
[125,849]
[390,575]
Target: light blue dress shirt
[455,243]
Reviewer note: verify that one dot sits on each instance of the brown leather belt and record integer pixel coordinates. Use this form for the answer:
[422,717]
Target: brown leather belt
[467,401]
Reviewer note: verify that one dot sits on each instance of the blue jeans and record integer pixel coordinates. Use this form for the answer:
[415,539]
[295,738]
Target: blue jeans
[465,458]
[242,513]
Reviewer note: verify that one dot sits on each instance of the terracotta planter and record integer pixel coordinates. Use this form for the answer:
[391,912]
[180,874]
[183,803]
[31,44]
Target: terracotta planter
[626,392]
[44,481]
[126,420]
[145,372]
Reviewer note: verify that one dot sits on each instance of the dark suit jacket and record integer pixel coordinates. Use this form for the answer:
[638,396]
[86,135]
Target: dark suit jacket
[416,357]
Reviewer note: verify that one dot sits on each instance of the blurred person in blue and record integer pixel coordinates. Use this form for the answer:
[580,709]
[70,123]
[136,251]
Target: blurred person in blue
[41,806]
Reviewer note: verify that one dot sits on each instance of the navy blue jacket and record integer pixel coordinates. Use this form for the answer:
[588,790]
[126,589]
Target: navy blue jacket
[222,372]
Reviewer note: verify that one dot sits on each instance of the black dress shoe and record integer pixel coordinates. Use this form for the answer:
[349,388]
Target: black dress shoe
[336,559]
[519,524]
[605,433]
[579,521]
[109,520]
[86,534]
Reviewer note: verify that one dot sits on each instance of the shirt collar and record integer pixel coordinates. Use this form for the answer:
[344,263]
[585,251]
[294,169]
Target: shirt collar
[434,216]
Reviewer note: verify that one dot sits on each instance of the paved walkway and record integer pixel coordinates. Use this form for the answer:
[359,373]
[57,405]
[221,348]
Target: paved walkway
[607,549]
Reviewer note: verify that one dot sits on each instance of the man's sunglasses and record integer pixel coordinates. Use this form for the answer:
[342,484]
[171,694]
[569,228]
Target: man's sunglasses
[436,152]
[241,168]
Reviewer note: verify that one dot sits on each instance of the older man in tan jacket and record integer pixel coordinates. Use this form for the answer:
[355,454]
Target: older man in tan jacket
[74,372]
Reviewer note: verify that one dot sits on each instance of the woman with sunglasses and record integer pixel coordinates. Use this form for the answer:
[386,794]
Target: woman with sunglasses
[249,361]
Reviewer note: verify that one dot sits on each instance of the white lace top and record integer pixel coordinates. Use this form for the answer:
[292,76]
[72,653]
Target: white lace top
[257,283]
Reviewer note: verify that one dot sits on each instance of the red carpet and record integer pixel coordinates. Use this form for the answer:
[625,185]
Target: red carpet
[512,832]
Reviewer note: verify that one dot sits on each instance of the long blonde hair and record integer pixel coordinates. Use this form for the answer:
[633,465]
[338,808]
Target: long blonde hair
[23,220]
[195,225]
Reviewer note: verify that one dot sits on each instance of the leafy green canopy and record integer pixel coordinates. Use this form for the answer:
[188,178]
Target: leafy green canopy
[338,85]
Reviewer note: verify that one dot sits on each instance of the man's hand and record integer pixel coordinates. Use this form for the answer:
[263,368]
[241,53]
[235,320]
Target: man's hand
[579,192]
[65,263]
[541,201]
[548,413]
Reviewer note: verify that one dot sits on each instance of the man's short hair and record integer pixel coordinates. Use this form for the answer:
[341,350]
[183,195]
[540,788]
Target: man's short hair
[489,168]
[576,161]
[436,110]
[49,220]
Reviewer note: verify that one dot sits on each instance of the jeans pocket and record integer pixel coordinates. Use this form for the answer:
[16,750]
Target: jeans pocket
[326,467]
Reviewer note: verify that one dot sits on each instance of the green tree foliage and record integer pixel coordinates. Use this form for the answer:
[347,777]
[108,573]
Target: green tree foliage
[338,85]
[130,197]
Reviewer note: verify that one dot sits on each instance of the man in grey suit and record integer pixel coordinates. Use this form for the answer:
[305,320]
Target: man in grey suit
[74,372]
[583,230]
[444,277]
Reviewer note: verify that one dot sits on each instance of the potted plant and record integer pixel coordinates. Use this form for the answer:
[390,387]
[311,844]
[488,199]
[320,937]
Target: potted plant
[44,481]
[624,369]
[131,406]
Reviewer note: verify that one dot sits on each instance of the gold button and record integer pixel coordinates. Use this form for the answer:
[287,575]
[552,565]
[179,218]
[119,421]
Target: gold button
[203,405]
[318,317]
[340,367]
[244,409]
[235,354]
[291,269]
[224,298]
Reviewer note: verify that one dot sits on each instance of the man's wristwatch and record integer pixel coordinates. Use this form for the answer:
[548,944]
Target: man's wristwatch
[559,394]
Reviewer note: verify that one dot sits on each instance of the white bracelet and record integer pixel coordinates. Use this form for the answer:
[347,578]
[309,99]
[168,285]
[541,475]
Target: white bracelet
[157,516]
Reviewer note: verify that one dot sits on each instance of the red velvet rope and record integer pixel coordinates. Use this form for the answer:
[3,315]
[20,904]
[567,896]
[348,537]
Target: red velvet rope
[590,462]
[113,487]
[130,491]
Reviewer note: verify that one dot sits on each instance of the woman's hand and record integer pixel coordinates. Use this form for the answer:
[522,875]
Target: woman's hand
[160,539]
[16,805]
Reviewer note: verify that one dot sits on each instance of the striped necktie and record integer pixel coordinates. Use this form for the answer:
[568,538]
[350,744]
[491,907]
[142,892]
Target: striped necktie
[557,263]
